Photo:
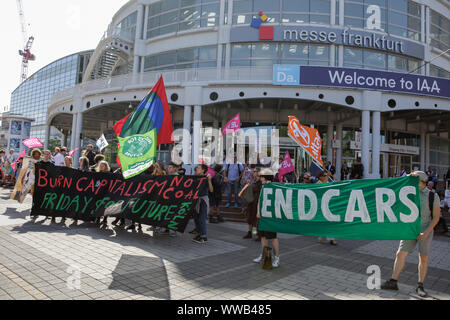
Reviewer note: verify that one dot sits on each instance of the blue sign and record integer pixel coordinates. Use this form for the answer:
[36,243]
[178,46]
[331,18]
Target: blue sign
[286,75]
[366,79]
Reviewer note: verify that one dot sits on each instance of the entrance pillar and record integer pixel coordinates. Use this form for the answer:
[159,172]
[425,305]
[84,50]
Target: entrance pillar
[187,135]
[196,136]
[365,141]
[376,144]
[339,151]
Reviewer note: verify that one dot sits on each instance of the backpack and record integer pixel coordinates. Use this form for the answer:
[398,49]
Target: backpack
[217,180]
[239,168]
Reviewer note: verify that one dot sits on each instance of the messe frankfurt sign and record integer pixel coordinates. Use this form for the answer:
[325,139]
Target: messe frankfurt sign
[324,35]
[295,75]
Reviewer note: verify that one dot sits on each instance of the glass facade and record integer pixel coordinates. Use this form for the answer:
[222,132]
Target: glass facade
[286,11]
[267,54]
[435,71]
[439,154]
[203,57]
[178,15]
[399,17]
[439,31]
[31,99]
[370,59]
[127,27]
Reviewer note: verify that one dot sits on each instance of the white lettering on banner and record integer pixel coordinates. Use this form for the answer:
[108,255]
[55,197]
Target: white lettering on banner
[282,203]
[357,197]
[325,201]
[385,207]
[302,194]
[266,203]
[403,195]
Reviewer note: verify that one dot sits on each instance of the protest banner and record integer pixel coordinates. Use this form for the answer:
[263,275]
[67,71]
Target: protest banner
[233,125]
[306,137]
[381,209]
[102,143]
[286,166]
[163,201]
[32,143]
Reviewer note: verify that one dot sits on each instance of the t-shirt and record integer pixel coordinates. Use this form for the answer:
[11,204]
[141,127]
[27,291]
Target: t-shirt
[204,190]
[426,215]
[233,171]
[59,160]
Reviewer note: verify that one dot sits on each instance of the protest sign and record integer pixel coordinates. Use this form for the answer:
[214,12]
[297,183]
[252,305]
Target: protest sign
[32,143]
[381,209]
[163,201]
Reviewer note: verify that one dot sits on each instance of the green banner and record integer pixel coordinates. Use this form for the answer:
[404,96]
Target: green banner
[137,153]
[381,209]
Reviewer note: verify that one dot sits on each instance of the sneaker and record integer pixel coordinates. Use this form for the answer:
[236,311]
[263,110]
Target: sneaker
[333,242]
[276,262]
[390,285]
[193,232]
[421,291]
[236,205]
[258,260]
[227,205]
[200,239]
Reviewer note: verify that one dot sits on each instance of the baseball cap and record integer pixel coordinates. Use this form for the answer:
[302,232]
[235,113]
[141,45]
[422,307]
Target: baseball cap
[422,175]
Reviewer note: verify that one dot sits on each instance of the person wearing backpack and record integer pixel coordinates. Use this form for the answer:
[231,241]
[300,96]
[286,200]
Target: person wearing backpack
[429,215]
[232,177]
[216,195]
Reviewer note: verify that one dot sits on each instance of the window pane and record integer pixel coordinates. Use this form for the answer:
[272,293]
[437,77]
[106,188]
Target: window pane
[318,52]
[375,60]
[320,6]
[295,18]
[266,5]
[191,13]
[170,17]
[264,50]
[296,5]
[187,55]
[242,6]
[295,51]
[241,50]
[167,5]
[208,53]
[353,56]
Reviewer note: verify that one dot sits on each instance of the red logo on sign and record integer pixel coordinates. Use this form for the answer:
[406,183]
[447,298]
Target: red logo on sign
[266,33]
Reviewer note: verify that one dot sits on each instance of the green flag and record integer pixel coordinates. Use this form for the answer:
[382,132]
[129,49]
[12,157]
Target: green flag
[372,209]
[137,153]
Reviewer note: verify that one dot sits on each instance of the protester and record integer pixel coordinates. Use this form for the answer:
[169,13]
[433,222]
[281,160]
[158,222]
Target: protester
[307,178]
[47,158]
[323,178]
[357,170]
[429,216]
[118,221]
[182,171]
[430,186]
[202,206]
[159,169]
[447,179]
[97,159]
[68,161]
[2,166]
[344,171]
[266,176]
[331,168]
[172,169]
[252,207]
[84,164]
[59,157]
[444,208]
[232,176]
[216,195]
[29,177]
[102,166]
[90,154]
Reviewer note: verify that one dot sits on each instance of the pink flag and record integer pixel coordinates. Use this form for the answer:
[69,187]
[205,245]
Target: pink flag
[233,125]
[32,143]
[13,166]
[286,166]
[72,152]
[211,172]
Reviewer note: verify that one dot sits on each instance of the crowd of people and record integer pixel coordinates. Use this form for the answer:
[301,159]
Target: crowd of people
[242,185]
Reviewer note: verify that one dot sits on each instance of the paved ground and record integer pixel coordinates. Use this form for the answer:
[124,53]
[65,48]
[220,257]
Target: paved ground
[40,260]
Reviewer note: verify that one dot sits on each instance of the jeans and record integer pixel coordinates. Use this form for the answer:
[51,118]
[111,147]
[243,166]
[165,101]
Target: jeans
[233,187]
[200,219]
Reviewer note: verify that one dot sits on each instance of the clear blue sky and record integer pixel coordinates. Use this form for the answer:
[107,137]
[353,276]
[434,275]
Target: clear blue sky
[60,28]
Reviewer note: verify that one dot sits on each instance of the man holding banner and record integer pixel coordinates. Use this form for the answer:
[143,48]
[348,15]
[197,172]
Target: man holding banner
[430,214]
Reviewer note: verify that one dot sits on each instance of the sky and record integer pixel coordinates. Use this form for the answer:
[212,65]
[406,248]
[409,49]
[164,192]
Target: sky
[60,28]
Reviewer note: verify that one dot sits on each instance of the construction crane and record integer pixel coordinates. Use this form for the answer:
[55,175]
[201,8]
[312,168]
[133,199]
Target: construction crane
[27,42]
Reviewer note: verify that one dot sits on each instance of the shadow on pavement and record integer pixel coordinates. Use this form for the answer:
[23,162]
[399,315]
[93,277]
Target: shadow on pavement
[150,282]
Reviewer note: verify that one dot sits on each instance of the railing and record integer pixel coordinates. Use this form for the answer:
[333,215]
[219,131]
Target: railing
[171,77]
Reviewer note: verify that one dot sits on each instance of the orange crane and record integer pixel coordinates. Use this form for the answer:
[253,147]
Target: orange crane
[28,43]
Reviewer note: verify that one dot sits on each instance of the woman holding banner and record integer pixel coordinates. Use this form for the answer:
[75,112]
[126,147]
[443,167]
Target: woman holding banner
[323,178]
[266,176]
[102,166]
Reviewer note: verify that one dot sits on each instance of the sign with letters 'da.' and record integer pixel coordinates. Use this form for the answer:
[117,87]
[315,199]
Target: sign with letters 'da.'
[286,75]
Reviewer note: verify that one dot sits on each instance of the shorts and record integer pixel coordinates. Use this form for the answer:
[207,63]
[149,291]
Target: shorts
[267,234]
[410,245]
